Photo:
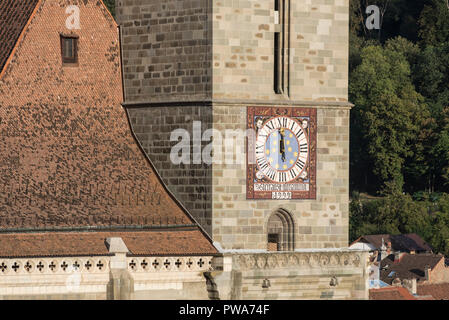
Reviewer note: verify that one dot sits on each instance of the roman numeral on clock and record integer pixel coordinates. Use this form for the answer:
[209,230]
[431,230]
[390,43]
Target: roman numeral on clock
[292,126]
[300,164]
[262,163]
[303,147]
[271,174]
[299,134]
[293,173]
[282,176]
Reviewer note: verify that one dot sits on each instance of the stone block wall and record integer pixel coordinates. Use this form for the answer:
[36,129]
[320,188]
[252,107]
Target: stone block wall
[116,277]
[223,49]
[240,45]
[313,275]
[166,49]
[190,182]
[243,46]
[239,223]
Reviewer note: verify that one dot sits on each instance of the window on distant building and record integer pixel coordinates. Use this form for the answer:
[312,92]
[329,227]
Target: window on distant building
[391,274]
[69,49]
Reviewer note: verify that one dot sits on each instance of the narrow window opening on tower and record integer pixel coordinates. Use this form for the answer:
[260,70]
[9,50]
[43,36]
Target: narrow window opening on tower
[281,46]
[277,47]
[274,242]
[280,231]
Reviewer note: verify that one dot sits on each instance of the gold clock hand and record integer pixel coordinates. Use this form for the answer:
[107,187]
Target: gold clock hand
[282,144]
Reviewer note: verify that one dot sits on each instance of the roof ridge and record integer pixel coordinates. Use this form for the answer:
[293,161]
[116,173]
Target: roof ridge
[18,35]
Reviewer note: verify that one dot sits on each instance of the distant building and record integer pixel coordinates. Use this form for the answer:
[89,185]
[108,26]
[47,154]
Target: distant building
[437,291]
[410,243]
[383,245]
[391,293]
[411,291]
[425,268]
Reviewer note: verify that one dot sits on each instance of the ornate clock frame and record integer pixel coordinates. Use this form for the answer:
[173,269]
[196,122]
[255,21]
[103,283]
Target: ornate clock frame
[298,188]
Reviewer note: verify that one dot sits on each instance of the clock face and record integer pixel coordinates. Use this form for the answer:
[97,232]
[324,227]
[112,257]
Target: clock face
[282,149]
[281,153]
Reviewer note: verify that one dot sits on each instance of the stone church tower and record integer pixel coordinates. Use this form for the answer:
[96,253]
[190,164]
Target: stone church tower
[268,79]
[211,62]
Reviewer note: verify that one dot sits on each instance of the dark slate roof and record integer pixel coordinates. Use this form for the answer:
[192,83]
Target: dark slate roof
[401,242]
[409,266]
[14,15]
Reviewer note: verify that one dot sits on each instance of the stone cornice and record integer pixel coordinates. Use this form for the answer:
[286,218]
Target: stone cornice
[309,260]
[239,102]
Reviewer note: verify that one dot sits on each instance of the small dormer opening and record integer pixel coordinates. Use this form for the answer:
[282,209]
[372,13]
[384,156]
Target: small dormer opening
[69,49]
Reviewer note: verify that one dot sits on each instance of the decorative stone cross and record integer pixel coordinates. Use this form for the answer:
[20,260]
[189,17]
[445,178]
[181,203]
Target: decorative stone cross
[88,265]
[64,265]
[15,266]
[52,266]
[40,266]
[28,266]
[100,265]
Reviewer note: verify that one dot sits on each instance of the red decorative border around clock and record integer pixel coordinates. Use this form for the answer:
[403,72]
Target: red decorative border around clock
[270,112]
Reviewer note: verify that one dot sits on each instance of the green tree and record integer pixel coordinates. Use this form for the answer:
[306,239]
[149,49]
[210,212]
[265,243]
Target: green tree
[110,4]
[441,151]
[434,22]
[387,116]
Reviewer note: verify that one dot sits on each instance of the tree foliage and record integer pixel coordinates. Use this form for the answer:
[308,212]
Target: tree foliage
[110,4]
[399,214]
[399,83]
[389,113]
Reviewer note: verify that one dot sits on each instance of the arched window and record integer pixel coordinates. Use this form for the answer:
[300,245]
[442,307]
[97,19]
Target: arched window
[280,231]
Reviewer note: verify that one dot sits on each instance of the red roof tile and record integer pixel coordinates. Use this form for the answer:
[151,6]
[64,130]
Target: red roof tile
[391,293]
[68,155]
[437,291]
[14,15]
[147,243]
[69,158]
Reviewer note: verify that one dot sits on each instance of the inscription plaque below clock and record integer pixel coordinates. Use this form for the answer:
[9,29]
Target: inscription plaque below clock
[281,155]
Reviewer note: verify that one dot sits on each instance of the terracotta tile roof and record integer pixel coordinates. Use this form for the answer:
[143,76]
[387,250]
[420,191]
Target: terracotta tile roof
[437,291]
[68,157]
[409,266]
[391,293]
[14,15]
[400,242]
[147,243]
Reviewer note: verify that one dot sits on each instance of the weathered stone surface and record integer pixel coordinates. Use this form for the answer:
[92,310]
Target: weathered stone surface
[166,49]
